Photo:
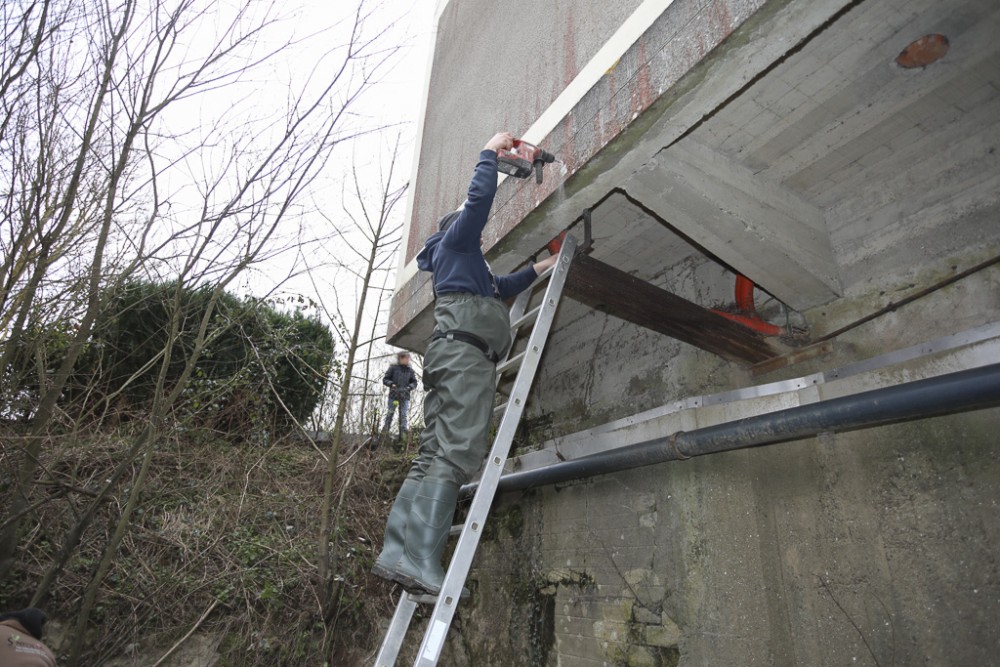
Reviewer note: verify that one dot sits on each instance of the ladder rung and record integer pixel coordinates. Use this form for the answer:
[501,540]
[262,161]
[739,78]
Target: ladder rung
[427,598]
[499,410]
[524,319]
[513,362]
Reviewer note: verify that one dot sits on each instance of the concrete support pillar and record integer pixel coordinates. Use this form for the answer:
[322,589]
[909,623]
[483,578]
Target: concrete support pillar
[761,229]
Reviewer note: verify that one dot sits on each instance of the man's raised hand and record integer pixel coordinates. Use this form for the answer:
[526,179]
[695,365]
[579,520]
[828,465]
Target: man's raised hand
[500,141]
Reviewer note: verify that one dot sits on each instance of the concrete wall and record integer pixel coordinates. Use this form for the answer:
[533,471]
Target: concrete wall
[875,547]
[871,548]
[639,71]
[492,71]
[849,185]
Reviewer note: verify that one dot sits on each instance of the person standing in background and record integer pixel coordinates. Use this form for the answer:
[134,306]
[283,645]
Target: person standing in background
[401,380]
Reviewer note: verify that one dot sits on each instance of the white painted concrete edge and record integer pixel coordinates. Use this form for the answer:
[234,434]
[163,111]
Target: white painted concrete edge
[605,59]
[418,143]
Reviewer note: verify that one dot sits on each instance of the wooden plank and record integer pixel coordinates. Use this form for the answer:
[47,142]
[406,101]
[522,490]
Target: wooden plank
[792,358]
[612,291]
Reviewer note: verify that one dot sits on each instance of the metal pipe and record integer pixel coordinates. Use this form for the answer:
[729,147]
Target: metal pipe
[954,392]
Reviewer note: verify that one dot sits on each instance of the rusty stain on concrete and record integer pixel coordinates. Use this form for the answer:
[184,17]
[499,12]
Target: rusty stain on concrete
[924,51]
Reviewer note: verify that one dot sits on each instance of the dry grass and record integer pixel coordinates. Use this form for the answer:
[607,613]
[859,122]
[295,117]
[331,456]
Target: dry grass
[218,521]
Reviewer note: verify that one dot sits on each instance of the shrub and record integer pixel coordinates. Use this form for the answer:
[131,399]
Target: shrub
[255,356]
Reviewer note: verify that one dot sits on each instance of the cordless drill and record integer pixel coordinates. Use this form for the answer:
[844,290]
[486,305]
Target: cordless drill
[523,159]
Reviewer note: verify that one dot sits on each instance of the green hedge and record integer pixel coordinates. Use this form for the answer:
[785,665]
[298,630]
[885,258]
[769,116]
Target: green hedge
[253,348]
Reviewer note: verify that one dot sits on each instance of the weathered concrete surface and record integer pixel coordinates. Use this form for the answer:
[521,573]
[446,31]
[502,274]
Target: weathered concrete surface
[901,163]
[755,550]
[776,238]
[768,556]
[876,547]
[622,122]
[495,70]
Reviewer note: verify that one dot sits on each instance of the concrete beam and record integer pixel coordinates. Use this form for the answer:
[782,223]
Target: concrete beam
[761,229]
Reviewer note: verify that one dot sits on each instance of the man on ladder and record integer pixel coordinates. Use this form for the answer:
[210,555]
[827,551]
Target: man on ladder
[472,332]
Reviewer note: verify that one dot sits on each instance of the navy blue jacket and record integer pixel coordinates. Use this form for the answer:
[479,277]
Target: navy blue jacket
[403,376]
[455,257]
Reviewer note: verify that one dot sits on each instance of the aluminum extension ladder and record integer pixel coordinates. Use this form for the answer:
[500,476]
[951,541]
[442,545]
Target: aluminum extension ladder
[525,364]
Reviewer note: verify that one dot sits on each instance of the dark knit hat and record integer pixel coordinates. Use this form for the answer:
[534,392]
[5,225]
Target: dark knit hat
[447,219]
[31,619]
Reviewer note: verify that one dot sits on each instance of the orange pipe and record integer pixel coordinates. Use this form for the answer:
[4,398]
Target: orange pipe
[754,323]
[555,245]
[744,294]
[744,302]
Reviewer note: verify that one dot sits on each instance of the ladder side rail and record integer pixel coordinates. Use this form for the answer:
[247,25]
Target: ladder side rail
[461,561]
[394,636]
[517,310]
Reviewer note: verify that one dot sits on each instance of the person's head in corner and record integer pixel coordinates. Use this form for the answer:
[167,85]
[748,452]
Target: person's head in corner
[31,619]
[403,358]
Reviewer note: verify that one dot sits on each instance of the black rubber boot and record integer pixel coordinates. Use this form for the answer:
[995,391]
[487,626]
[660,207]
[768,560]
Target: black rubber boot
[419,569]
[395,530]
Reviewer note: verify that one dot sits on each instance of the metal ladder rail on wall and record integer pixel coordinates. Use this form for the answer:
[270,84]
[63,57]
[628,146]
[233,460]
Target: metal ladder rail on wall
[526,365]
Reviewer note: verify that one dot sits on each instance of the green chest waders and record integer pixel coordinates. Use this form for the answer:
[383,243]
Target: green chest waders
[460,379]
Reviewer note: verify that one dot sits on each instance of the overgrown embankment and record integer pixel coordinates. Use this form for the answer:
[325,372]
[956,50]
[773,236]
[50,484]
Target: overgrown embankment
[225,533]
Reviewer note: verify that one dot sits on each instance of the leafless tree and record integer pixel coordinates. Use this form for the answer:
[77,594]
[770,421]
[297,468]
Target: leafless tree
[371,237]
[136,142]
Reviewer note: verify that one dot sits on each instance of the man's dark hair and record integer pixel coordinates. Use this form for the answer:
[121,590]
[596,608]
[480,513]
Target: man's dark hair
[31,619]
[445,222]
